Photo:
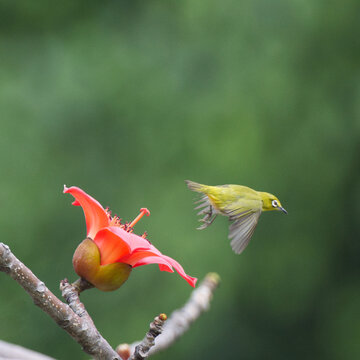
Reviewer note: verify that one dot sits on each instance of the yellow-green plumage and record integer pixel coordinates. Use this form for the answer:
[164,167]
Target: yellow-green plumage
[241,204]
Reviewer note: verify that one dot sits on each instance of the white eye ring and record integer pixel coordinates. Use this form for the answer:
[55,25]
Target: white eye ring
[274,203]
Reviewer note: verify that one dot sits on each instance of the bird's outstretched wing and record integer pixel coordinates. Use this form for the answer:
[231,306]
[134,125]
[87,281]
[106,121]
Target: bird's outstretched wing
[242,229]
[243,226]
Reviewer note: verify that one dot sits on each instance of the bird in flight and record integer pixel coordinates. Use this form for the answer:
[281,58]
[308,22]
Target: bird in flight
[241,204]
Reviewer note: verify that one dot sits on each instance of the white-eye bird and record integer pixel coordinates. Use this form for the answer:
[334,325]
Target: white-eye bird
[241,204]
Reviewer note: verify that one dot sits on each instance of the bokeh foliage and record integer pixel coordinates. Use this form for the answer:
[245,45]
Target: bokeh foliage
[126,99]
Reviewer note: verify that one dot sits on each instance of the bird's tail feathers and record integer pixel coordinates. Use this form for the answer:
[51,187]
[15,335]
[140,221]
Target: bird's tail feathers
[194,186]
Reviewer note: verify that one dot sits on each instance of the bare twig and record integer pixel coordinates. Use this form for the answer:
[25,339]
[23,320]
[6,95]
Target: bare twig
[15,352]
[79,329]
[181,319]
[156,327]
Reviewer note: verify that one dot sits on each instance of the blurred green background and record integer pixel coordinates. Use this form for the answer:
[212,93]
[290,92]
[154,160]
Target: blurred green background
[126,99]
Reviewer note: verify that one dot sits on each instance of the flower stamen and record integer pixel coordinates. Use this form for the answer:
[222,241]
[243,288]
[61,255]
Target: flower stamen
[143,211]
[115,221]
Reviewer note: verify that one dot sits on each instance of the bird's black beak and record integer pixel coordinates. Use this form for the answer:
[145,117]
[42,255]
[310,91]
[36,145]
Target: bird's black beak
[283,210]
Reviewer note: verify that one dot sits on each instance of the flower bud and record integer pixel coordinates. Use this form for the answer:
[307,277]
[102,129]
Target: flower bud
[86,262]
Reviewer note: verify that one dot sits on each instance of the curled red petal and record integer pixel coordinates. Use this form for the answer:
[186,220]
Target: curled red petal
[165,268]
[191,280]
[154,260]
[111,246]
[95,216]
[154,256]
[134,258]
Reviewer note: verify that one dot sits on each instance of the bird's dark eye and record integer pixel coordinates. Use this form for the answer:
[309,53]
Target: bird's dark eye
[274,203]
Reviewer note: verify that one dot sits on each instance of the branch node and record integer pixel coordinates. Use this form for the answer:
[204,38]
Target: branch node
[71,296]
[81,285]
[124,351]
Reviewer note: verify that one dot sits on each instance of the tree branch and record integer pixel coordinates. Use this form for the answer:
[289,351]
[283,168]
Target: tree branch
[79,327]
[74,318]
[15,352]
[156,327]
[180,320]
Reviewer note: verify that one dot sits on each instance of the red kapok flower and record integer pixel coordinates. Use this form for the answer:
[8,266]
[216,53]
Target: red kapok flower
[111,250]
